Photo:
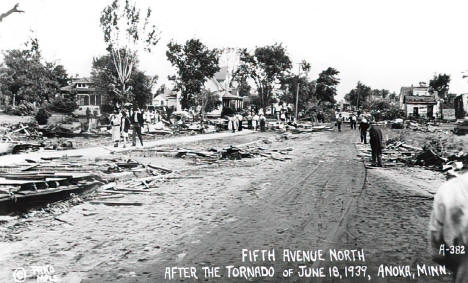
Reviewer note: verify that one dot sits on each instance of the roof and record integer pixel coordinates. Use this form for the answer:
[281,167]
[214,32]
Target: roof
[166,94]
[69,88]
[406,90]
[412,99]
[82,80]
[232,95]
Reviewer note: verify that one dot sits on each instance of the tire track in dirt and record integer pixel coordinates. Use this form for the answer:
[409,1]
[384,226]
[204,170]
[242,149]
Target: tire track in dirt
[299,210]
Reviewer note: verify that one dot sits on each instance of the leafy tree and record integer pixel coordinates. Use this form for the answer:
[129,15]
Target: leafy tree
[142,88]
[359,95]
[440,83]
[64,104]
[379,105]
[195,63]
[104,76]
[266,66]
[208,100]
[326,85]
[126,30]
[26,77]
[307,88]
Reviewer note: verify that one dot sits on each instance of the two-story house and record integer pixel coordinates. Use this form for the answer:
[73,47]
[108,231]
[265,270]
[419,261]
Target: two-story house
[86,95]
[417,101]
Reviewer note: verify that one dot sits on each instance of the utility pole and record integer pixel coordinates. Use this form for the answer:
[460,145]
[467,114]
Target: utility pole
[297,91]
[358,100]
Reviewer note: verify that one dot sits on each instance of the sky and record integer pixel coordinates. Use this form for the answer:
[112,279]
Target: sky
[386,44]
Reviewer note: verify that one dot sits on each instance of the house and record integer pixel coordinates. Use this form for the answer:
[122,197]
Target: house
[220,84]
[461,105]
[417,101]
[86,95]
[167,98]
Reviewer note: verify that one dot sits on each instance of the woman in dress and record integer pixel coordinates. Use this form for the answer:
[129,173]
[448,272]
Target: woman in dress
[115,119]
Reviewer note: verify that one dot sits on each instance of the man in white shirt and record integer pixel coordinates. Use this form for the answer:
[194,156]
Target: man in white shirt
[449,227]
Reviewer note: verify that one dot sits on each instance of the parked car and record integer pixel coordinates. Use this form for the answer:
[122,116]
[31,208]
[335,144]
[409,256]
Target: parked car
[461,128]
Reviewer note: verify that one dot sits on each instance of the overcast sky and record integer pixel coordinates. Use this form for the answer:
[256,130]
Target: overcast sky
[384,44]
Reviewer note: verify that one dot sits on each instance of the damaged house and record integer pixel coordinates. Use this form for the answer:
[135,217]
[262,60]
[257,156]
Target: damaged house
[417,101]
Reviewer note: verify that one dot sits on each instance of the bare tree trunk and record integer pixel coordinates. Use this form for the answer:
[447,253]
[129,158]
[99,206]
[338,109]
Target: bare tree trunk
[11,11]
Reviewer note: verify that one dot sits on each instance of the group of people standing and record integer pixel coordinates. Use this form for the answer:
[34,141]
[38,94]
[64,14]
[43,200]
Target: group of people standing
[237,122]
[122,121]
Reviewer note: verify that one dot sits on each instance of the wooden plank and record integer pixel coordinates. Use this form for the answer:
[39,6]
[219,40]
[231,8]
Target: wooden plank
[117,203]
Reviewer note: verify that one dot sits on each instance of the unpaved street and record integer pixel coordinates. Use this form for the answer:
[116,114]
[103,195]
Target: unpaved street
[323,198]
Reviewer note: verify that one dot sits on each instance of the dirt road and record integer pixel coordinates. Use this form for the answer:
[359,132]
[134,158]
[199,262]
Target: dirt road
[321,199]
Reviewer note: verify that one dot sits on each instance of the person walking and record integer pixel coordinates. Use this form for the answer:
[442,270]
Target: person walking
[124,127]
[376,143]
[352,121]
[115,120]
[339,121]
[448,227]
[363,126]
[137,123]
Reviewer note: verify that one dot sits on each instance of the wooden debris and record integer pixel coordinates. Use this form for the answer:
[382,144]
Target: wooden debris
[109,203]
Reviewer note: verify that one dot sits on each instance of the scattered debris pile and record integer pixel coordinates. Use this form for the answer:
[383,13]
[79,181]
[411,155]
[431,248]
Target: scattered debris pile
[426,127]
[237,152]
[36,183]
[436,154]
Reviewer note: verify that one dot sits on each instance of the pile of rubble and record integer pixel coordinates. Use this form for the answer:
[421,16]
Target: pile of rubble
[432,156]
[428,127]
[40,182]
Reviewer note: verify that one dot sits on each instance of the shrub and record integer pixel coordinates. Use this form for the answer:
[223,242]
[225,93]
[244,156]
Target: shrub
[24,109]
[107,108]
[227,111]
[42,116]
[63,105]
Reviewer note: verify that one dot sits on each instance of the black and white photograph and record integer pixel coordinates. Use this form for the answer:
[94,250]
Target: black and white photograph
[233,141]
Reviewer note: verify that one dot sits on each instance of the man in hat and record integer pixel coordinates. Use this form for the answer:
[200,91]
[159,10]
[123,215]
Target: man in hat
[363,126]
[376,143]
[137,123]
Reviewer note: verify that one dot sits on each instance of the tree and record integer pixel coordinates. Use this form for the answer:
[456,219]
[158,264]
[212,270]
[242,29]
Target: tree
[358,95]
[195,63]
[326,85]
[306,92]
[142,88]
[208,100]
[104,76]
[440,84]
[11,11]
[266,66]
[393,96]
[125,32]
[27,77]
